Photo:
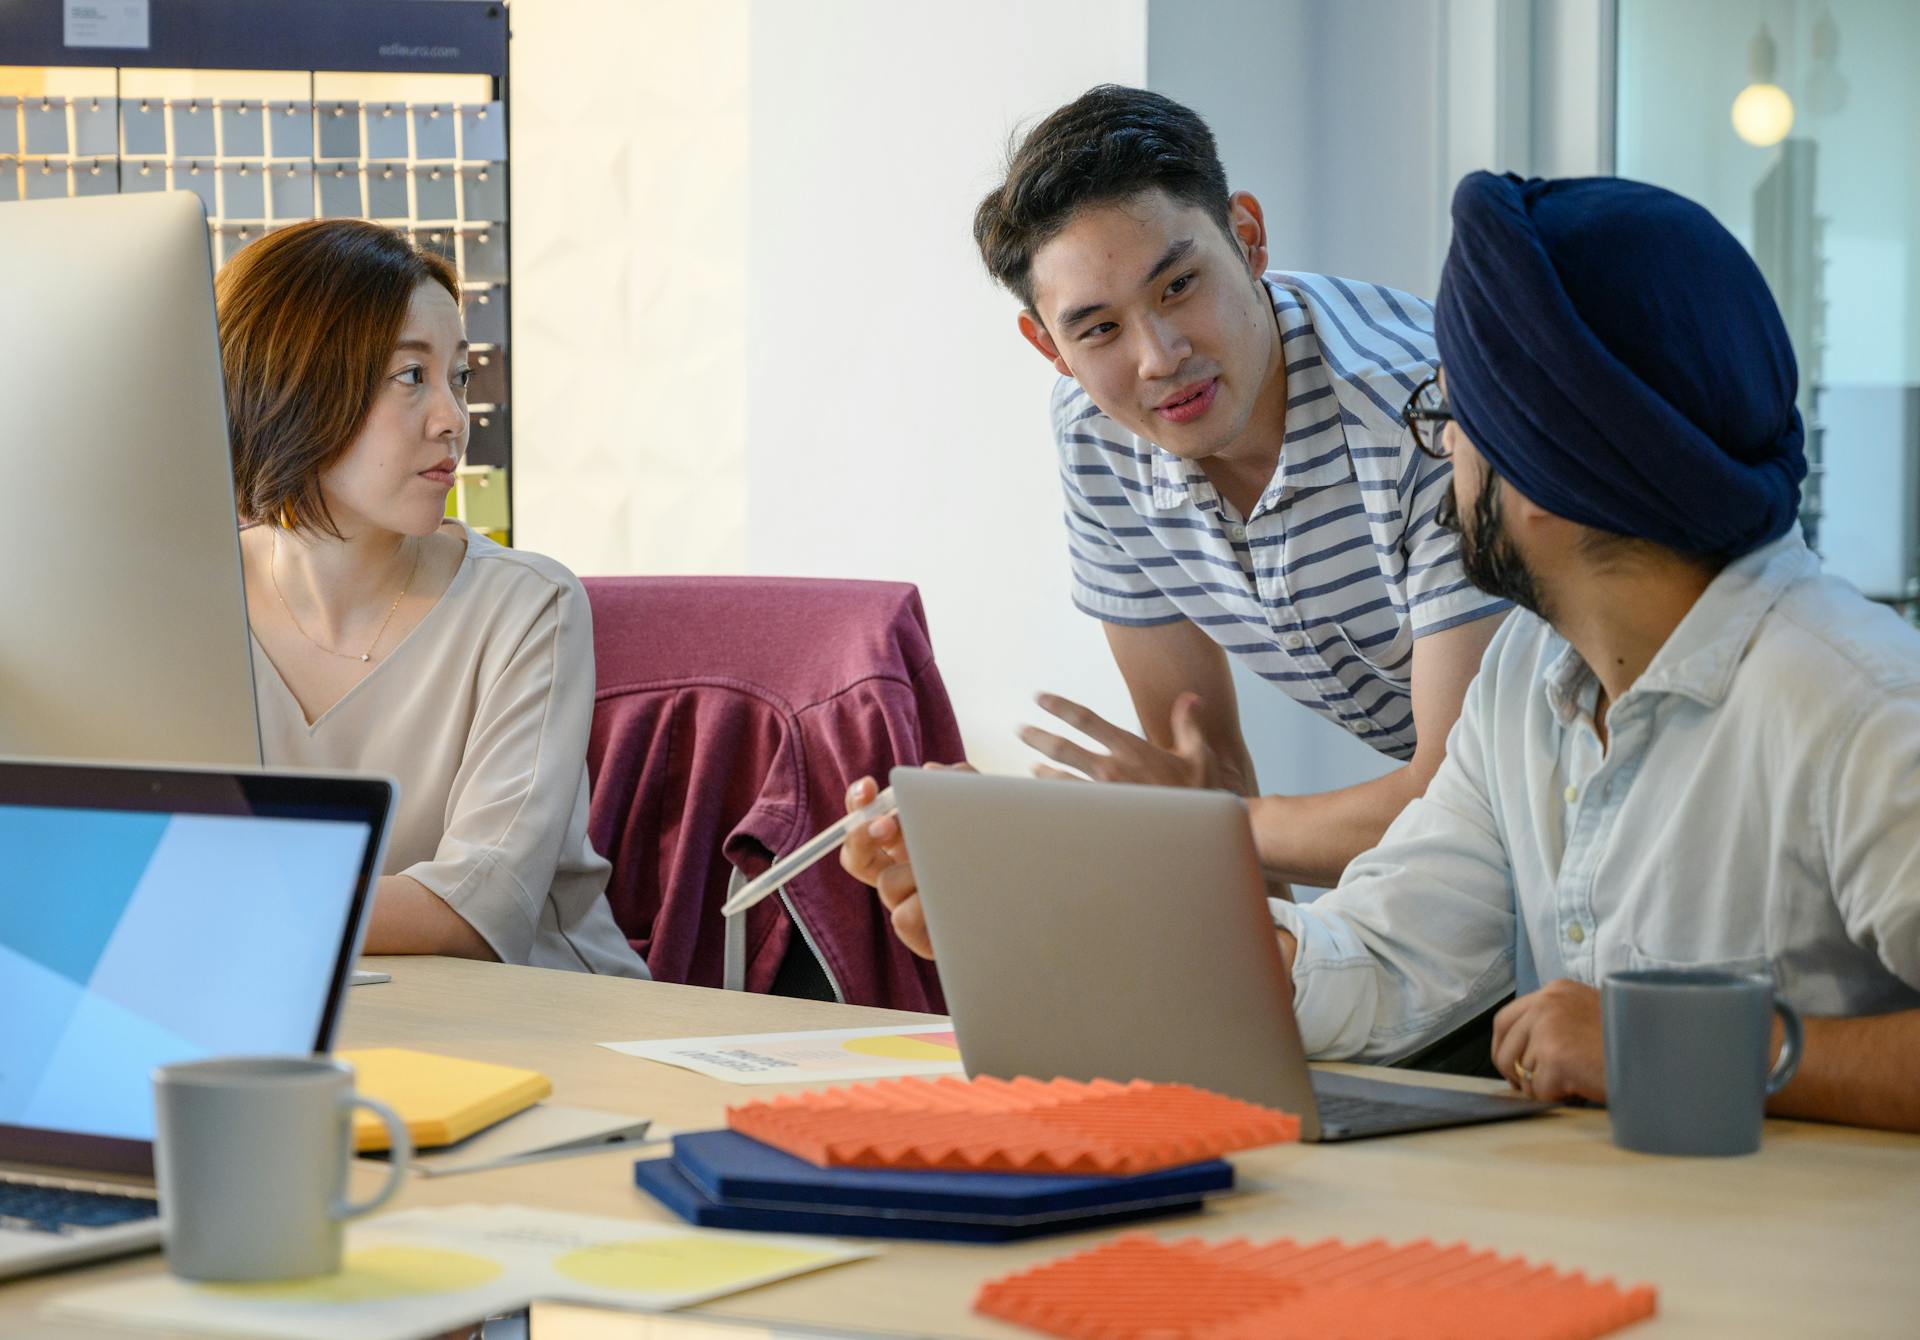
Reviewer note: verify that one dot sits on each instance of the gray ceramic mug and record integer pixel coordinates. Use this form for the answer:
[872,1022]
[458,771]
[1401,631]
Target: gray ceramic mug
[251,1155]
[1687,1059]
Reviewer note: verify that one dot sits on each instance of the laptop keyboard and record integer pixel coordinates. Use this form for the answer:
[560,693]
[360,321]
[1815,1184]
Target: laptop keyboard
[1360,1114]
[60,1209]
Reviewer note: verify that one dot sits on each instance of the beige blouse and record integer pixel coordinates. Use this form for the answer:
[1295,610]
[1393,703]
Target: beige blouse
[481,713]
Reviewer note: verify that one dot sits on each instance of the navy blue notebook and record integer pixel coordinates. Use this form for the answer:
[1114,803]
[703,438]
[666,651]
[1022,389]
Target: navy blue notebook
[738,1170]
[663,1180]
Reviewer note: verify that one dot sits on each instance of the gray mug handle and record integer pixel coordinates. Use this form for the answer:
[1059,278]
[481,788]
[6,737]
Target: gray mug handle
[399,1154]
[1792,1036]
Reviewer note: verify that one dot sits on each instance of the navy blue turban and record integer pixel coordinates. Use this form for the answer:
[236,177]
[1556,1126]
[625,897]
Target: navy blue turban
[1615,354]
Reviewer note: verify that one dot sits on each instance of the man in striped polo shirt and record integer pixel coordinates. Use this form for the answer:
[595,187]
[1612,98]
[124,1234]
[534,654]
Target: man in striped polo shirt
[1238,475]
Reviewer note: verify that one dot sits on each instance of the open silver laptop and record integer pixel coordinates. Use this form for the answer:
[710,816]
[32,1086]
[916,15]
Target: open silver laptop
[1122,932]
[147,917]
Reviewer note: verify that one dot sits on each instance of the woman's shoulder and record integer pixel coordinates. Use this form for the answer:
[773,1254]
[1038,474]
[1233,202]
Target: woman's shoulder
[519,572]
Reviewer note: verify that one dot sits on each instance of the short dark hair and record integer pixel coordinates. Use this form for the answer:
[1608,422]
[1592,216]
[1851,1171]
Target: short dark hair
[1108,145]
[309,317]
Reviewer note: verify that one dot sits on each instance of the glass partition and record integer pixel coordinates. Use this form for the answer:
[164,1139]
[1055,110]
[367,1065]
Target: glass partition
[1797,122]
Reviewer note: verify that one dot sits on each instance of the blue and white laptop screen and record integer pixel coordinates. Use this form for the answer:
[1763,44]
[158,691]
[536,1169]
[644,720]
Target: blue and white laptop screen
[130,940]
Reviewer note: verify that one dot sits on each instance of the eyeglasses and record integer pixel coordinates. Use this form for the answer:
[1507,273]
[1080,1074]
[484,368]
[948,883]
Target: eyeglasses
[1428,405]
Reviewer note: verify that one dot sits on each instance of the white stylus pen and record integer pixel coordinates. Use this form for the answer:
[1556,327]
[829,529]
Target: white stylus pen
[809,853]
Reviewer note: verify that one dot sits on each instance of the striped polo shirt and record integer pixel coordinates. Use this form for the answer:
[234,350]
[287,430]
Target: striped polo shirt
[1323,588]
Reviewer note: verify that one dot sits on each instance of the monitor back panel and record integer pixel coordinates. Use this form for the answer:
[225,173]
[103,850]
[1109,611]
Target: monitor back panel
[123,609]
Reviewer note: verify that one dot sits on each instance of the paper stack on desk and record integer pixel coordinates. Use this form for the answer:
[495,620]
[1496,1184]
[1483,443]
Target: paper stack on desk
[421,1272]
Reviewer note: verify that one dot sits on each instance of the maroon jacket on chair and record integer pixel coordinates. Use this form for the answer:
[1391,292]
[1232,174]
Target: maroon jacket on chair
[731,715]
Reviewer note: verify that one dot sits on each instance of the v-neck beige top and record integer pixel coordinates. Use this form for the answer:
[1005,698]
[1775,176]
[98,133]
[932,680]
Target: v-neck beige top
[481,713]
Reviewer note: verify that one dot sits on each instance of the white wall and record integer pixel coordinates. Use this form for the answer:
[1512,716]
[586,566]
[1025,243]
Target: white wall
[1329,114]
[754,334]
[1676,131]
[629,182]
[896,422]
[752,331]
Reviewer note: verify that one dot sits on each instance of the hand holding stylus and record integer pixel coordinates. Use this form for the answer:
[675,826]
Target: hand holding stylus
[876,854]
[871,848]
[808,854]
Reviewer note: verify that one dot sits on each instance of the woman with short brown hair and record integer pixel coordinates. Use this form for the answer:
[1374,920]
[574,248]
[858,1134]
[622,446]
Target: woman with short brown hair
[389,639]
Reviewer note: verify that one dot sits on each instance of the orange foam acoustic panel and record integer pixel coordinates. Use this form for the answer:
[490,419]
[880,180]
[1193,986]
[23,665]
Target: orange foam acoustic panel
[1137,1287]
[1021,1125]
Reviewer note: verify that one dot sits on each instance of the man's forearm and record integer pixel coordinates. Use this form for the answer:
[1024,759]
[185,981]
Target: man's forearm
[1311,839]
[1863,1072]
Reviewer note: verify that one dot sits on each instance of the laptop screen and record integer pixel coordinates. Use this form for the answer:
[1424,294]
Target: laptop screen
[135,937]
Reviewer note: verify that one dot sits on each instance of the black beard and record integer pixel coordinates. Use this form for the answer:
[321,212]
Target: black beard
[1487,554]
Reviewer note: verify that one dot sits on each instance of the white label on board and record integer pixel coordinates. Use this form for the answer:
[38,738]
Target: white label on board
[108,23]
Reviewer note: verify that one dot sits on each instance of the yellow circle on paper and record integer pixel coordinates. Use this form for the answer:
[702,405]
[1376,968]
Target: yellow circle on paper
[374,1275]
[906,1047]
[678,1263]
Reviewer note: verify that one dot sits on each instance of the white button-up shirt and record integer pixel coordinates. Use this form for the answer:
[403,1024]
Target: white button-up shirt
[1757,809]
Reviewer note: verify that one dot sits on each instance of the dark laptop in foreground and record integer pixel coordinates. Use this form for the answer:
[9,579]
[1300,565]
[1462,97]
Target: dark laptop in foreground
[148,917]
[1121,932]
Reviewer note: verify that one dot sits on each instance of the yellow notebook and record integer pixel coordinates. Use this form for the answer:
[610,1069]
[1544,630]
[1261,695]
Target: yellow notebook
[441,1098]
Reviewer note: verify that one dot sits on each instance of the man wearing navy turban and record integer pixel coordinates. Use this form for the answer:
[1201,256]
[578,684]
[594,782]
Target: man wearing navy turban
[1695,750]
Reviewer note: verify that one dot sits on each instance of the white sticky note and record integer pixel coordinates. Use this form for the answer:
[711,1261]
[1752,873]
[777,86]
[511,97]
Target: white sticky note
[47,126]
[98,176]
[242,130]
[291,191]
[387,191]
[433,130]
[145,127]
[339,129]
[290,128]
[243,192]
[96,127]
[137,178]
[487,316]
[340,192]
[483,133]
[201,179]
[193,122]
[125,24]
[387,130]
[46,181]
[435,192]
[233,240]
[483,193]
[483,254]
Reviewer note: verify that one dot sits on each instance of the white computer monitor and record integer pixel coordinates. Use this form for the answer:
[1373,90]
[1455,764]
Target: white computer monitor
[123,616]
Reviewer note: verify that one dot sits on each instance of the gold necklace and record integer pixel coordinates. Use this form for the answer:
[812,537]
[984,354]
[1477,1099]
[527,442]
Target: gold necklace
[272,576]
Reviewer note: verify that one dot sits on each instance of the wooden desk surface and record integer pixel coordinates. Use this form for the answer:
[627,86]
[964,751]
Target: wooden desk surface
[1818,1234]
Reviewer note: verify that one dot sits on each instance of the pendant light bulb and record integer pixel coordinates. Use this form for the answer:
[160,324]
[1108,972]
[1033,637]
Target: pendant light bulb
[1762,113]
